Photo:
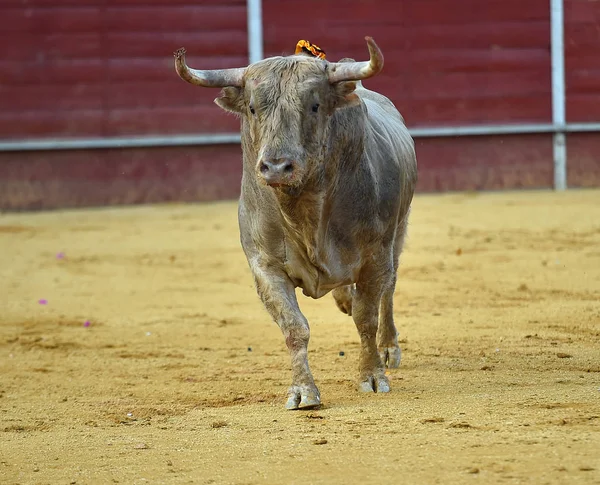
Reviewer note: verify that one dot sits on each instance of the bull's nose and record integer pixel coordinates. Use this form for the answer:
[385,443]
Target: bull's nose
[277,172]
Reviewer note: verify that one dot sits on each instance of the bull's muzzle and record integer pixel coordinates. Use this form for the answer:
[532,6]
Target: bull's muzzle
[277,172]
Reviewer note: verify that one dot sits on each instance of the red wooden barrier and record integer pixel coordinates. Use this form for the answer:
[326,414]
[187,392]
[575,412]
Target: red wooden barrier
[85,68]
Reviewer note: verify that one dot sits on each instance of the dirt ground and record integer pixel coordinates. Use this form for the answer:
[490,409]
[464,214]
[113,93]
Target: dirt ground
[180,376]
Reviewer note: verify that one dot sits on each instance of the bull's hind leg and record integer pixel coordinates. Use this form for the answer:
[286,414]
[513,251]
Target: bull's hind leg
[365,313]
[387,335]
[277,294]
[343,298]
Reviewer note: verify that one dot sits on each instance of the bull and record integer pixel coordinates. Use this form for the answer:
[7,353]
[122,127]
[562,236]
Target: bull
[329,172]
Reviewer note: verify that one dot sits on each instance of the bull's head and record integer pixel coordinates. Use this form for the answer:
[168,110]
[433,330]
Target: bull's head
[286,104]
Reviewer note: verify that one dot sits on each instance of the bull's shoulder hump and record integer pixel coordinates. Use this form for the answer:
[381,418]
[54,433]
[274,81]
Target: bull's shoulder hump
[379,105]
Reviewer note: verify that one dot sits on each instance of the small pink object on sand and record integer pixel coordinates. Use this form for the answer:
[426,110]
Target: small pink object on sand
[87,323]
[43,301]
[60,255]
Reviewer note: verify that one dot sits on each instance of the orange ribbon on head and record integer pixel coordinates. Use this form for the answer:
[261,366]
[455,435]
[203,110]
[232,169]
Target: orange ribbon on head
[312,49]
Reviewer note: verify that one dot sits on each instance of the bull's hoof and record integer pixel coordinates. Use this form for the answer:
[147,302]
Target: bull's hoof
[374,383]
[302,397]
[390,356]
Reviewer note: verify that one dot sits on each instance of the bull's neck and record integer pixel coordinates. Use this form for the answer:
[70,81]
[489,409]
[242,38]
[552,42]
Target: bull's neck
[304,213]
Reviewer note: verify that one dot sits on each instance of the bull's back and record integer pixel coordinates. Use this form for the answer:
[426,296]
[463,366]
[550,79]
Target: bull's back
[389,149]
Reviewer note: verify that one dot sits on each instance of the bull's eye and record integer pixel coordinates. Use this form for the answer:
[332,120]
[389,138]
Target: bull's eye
[252,110]
[315,108]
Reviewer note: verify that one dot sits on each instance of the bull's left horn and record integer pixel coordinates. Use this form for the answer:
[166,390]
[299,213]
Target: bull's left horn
[355,71]
[216,78]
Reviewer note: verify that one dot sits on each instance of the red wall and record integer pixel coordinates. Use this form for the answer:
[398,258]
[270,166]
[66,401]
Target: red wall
[74,178]
[582,60]
[582,64]
[74,68]
[91,68]
[446,62]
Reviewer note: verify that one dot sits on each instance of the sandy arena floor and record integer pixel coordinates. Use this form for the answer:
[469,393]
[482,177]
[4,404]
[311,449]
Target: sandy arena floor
[180,376]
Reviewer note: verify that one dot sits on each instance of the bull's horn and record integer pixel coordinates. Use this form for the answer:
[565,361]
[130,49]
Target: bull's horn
[216,78]
[355,71]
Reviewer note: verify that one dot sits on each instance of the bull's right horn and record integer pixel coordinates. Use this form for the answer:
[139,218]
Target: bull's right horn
[355,71]
[216,78]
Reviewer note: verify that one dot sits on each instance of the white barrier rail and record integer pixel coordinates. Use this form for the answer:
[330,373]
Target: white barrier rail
[232,138]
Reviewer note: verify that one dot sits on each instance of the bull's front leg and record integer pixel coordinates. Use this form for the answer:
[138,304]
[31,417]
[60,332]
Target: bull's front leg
[277,294]
[365,311]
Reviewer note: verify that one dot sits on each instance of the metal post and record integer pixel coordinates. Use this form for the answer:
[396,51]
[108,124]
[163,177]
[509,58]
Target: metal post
[255,30]
[558,93]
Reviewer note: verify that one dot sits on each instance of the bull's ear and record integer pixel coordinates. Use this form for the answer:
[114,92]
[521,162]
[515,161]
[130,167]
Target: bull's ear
[345,95]
[231,99]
